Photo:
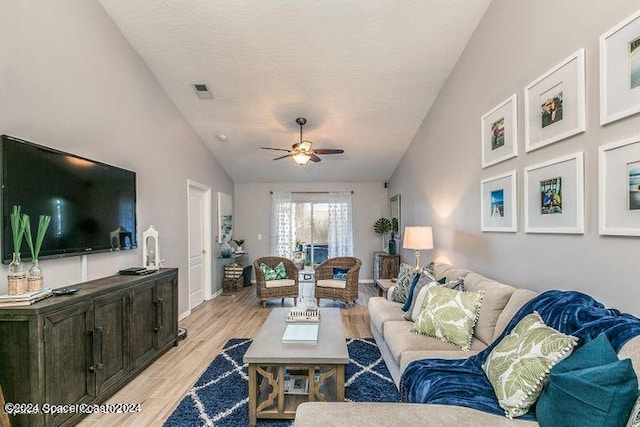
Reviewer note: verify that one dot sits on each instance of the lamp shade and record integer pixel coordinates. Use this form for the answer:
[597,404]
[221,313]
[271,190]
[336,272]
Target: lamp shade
[418,238]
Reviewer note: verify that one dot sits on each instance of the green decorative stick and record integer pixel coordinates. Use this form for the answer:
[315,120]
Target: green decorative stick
[17,228]
[43,225]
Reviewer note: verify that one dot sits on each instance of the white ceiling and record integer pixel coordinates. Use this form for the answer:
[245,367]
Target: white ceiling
[363,72]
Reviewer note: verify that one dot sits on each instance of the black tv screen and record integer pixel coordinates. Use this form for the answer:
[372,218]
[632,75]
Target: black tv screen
[92,205]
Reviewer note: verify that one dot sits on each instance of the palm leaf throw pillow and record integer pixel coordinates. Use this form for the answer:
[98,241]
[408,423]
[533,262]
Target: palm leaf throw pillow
[449,315]
[278,273]
[519,365]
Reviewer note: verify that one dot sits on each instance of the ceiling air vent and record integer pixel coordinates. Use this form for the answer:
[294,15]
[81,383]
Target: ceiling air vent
[202,91]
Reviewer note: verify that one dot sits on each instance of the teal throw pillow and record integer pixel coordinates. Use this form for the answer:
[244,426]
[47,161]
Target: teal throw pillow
[590,388]
[278,273]
[407,303]
[340,273]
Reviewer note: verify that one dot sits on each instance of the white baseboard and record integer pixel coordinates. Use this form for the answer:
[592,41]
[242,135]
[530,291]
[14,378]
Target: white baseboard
[184,315]
[366,281]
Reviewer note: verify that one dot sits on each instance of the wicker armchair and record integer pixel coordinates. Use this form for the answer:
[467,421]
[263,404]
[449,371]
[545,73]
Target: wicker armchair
[327,288]
[274,289]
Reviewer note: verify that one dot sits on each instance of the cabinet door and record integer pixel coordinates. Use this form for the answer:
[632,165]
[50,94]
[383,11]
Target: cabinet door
[112,339]
[142,323]
[69,357]
[167,311]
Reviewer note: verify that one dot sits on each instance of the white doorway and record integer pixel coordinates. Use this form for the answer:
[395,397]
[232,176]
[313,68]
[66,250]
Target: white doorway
[199,242]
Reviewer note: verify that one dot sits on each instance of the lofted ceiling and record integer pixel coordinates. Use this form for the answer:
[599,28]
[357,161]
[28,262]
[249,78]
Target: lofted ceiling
[363,72]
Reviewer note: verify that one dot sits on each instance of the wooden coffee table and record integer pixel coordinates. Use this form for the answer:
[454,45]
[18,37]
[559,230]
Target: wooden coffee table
[322,363]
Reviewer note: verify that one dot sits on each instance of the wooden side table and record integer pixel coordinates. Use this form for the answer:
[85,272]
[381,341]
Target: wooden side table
[383,286]
[385,266]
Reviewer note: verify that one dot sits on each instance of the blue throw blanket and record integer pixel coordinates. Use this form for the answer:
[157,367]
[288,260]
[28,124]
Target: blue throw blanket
[463,382]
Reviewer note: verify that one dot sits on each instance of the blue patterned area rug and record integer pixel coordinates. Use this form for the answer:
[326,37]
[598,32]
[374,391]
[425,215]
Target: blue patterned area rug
[219,397]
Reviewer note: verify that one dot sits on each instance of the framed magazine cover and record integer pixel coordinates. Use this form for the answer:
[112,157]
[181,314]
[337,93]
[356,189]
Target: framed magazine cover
[554,104]
[499,132]
[619,187]
[620,70]
[498,203]
[554,196]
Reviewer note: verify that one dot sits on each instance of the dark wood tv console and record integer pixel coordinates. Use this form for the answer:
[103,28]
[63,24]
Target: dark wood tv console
[82,348]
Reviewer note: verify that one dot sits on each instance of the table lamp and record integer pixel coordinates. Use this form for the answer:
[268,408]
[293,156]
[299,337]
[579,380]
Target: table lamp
[418,238]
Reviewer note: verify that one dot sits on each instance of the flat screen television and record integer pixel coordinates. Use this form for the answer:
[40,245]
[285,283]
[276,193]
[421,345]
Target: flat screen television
[92,205]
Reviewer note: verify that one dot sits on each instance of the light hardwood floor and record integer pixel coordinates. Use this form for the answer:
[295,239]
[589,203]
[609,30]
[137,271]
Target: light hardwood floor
[162,386]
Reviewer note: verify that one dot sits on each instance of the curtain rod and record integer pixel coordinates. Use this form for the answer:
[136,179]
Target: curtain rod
[311,192]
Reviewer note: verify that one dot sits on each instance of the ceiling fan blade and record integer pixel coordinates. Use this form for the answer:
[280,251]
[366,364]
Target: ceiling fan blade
[276,149]
[328,151]
[282,157]
[314,158]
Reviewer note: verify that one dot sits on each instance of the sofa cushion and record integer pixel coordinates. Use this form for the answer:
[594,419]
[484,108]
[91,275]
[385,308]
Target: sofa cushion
[449,272]
[518,366]
[449,315]
[279,283]
[496,297]
[409,356]
[331,283]
[591,387]
[349,414]
[399,339]
[519,297]
[382,311]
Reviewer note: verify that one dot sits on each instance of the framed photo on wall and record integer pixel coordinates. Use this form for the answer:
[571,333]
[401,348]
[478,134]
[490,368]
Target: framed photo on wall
[620,70]
[499,132]
[498,203]
[554,196]
[554,104]
[619,192]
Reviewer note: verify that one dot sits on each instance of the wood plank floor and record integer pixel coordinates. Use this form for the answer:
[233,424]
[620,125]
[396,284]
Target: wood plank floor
[162,386]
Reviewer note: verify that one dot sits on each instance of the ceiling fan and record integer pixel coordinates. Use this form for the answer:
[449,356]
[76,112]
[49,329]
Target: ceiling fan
[303,151]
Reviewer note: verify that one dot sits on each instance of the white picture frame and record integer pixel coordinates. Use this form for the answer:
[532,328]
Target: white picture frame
[225,217]
[555,103]
[498,203]
[620,70]
[499,132]
[554,196]
[619,188]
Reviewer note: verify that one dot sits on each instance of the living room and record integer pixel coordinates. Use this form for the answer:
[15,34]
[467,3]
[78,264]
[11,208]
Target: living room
[72,81]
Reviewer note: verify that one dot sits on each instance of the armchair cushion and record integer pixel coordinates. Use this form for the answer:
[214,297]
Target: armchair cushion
[277,273]
[340,273]
[279,283]
[332,283]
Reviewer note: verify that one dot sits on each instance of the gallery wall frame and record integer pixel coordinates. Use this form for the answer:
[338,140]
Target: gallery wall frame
[554,196]
[499,132]
[619,188]
[498,203]
[225,217]
[555,103]
[620,70]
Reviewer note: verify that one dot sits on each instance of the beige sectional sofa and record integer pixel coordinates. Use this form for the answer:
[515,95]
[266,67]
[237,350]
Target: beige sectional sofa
[399,348]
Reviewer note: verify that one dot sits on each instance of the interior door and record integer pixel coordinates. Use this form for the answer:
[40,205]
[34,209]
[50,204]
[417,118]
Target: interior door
[197,251]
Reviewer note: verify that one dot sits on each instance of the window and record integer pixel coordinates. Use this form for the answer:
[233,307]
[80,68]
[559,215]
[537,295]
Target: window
[311,230]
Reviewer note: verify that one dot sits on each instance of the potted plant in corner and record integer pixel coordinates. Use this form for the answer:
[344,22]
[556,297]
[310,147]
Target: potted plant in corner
[382,226]
[17,277]
[35,280]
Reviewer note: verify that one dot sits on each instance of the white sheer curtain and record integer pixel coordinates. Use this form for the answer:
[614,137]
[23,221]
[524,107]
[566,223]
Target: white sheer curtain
[282,224]
[340,224]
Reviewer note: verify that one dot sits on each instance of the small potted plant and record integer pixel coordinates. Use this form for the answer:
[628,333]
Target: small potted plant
[17,277]
[35,280]
[382,226]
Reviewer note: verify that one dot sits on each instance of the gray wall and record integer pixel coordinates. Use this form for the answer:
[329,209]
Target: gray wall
[71,81]
[252,210]
[439,175]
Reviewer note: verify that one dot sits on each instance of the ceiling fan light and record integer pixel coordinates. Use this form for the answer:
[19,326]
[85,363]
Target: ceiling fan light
[301,158]
[305,145]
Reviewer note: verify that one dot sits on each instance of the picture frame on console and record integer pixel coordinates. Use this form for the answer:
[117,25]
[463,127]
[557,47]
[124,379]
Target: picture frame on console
[499,132]
[554,196]
[619,188]
[498,207]
[554,103]
[620,70]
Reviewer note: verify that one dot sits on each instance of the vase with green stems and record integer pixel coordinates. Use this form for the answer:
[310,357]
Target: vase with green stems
[35,278]
[17,277]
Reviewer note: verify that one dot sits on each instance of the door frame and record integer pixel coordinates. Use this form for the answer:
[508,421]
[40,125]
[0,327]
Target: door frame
[208,294]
